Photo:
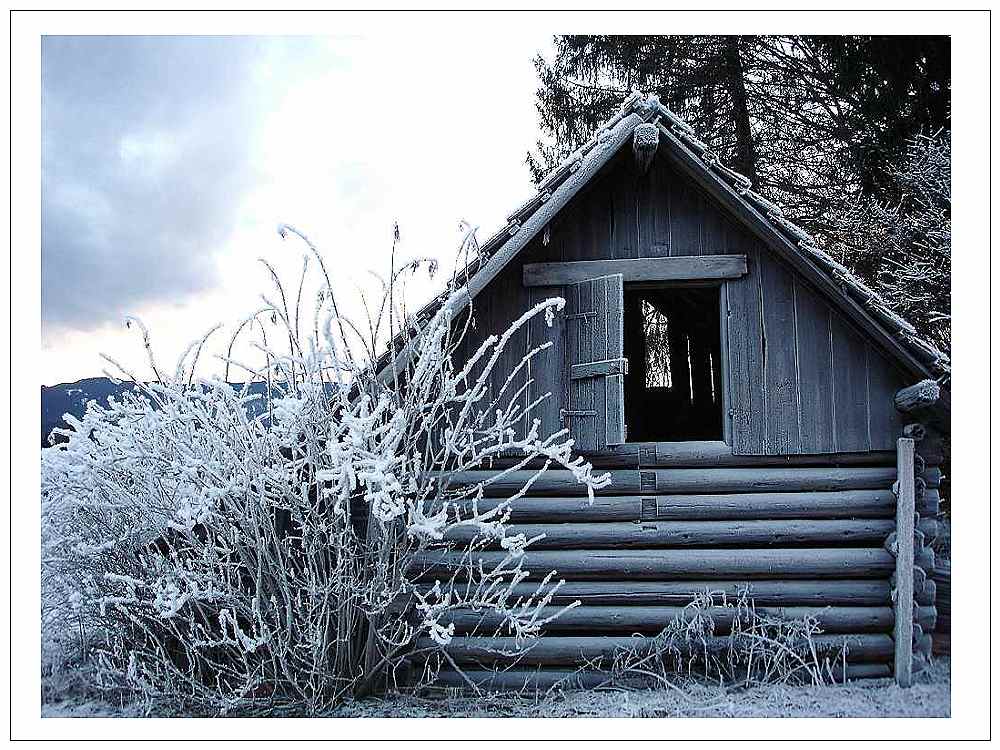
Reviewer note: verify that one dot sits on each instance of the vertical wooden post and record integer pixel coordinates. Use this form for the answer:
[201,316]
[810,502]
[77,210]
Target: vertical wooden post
[903,632]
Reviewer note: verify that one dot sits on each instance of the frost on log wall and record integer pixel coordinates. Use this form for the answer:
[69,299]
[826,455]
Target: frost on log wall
[801,379]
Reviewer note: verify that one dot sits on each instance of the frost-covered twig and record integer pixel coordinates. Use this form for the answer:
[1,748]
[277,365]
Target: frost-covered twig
[242,547]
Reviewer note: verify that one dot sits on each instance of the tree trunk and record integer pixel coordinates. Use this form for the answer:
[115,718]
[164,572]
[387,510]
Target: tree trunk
[746,158]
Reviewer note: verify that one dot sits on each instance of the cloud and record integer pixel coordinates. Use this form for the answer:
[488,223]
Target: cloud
[146,157]
[168,164]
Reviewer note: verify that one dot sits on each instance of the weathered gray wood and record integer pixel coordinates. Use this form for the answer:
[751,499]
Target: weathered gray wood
[816,370]
[701,481]
[570,650]
[521,680]
[708,453]
[918,396]
[781,388]
[886,423]
[855,593]
[746,360]
[595,319]
[546,368]
[614,399]
[595,369]
[543,679]
[669,564]
[932,477]
[666,534]
[614,383]
[903,630]
[692,166]
[850,388]
[754,505]
[686,268]
[650,620]
[687,219]
[644,142]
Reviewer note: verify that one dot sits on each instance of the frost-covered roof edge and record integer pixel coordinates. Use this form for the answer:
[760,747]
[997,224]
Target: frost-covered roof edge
[734,190]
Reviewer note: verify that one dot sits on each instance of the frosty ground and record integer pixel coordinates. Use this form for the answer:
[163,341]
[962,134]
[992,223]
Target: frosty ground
[930,696]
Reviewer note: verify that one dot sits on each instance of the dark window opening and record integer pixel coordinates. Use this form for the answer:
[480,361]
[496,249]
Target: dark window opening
[673,390]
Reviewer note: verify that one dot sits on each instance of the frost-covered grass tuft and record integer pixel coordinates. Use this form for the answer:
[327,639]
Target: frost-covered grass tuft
[218,562]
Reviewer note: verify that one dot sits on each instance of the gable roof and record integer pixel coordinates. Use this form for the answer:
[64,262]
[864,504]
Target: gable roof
[646,116]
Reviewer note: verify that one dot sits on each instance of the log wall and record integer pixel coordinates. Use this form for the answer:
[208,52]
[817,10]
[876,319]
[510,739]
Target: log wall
[796,539]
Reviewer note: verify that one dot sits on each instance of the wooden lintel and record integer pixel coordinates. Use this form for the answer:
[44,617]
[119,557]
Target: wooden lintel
[684,268]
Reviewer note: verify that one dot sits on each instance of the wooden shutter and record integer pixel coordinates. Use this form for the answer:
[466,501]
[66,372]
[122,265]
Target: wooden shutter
[595,413]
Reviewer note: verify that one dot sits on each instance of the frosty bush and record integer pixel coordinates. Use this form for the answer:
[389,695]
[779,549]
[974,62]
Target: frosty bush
[227,562]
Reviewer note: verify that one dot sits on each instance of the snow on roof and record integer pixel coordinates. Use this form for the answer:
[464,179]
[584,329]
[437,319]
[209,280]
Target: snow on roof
[564,181]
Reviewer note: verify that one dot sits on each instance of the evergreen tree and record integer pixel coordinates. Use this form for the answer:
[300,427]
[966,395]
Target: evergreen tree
[822,125]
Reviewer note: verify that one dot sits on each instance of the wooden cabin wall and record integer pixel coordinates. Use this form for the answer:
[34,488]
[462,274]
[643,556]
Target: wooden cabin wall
[801,379]
[795,540]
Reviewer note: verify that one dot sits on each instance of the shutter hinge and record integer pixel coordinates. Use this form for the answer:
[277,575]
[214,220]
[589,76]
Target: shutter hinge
[563,413]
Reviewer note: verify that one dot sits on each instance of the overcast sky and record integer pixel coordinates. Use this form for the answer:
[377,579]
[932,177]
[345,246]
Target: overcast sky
[169,162]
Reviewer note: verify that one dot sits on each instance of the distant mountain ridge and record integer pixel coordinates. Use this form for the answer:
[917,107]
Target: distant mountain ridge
[72,398]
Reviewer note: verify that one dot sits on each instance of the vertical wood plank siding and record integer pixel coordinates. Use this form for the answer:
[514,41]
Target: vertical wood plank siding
[800,378]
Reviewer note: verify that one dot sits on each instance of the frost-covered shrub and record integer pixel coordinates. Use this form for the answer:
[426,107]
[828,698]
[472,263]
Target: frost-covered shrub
[233,557]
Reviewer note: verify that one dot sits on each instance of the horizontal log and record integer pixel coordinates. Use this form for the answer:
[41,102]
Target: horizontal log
[929,504]
[680,593]
[674,564]
[522,680]
[682,268]
[658,534]
[544,679]
[651,620]
[932,477]
[754,505]
[576,650]
[709,453]
[921,395]
[709,480]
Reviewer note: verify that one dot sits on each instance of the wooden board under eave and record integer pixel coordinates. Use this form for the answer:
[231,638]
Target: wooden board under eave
[802,379]
[546,367]
[781,378]
[850,388]
[746,360]
[886,423]
[815,368]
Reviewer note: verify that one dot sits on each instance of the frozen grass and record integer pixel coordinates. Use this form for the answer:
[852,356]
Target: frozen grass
[929,697]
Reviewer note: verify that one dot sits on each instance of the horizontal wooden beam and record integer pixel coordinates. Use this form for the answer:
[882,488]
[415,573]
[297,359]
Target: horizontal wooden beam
[543,679]
[683,268]
[673,564]
[919,396]
[652,619]
[706,507]
[817,593]
[570,650]
[698,453]
[663,534]
[695,481]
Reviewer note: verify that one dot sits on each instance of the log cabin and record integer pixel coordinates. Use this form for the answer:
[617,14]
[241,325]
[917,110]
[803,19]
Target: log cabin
[767,420]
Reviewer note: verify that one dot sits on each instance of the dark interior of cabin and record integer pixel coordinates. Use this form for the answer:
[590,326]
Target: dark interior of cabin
[673,390]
